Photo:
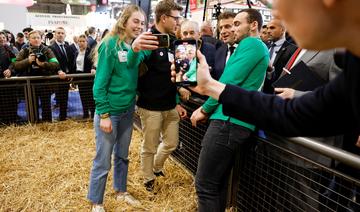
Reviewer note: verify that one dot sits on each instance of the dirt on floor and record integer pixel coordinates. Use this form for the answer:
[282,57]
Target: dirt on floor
[46,167]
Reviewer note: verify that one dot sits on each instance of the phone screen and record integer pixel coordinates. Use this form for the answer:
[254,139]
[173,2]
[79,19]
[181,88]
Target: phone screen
[185,62]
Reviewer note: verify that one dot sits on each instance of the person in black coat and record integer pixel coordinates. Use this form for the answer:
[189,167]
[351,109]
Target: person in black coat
[91,39]
[8,102]
[65,56]
[84,64]
[222,55]
[207,34]
[280,52]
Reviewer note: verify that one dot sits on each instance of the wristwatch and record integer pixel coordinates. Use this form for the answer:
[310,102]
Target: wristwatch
[104,115]
[203,112]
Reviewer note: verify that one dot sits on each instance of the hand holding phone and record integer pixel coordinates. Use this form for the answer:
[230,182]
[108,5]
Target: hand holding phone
[145,41]
[163,39]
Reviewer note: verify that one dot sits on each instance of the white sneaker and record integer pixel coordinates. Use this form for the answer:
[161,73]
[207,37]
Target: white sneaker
[97,208]
[128,198]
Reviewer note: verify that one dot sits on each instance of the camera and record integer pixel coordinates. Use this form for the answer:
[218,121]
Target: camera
[40,56]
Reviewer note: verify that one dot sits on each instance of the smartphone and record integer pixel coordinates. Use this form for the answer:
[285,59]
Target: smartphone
[163,39]
[185,62]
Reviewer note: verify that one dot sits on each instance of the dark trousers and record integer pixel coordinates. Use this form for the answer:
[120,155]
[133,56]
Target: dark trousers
[222,141]
[62,96]
[8,102]
[87,99]
[44,93]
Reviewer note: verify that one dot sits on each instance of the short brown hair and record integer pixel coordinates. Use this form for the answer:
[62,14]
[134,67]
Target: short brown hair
[34,32]
[253,15]
[165,7]
[226,15]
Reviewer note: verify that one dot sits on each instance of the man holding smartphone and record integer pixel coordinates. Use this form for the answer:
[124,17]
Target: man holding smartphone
[157,104]
[227,138]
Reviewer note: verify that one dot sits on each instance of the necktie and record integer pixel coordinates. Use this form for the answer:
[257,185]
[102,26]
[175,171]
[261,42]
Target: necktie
[292,59]
[63,51]
[231,49]
[271,49]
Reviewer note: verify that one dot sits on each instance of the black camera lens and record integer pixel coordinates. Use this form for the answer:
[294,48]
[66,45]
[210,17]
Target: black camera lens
[41,57]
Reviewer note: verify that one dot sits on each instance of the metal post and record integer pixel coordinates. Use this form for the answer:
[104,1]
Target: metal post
[187,7]
[249,3]
[29,99]
[205,7]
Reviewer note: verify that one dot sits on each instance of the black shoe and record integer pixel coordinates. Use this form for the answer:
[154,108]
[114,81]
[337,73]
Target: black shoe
[160,173]
[149,185]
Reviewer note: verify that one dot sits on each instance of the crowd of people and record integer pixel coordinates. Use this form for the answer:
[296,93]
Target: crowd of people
[38,53]
[238,72]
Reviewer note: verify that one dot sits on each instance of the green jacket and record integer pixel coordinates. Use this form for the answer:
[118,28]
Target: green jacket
[246,68]
[115,83]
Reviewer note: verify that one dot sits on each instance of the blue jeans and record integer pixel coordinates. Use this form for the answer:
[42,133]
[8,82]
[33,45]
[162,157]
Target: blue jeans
[222,141]
[118,142]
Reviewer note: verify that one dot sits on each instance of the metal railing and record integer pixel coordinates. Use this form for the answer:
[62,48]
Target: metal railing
[269,182]
[35,97]
[274,178]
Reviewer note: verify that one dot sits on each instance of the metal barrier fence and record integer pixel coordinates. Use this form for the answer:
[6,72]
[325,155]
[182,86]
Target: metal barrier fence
[269,181]
[46,99]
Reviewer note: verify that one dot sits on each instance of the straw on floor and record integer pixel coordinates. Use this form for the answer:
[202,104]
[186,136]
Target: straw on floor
[45,167]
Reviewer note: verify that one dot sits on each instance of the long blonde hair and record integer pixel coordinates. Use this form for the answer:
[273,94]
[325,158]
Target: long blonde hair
[119,27]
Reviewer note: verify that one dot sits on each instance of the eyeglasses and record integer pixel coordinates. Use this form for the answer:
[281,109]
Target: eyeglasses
[176,18]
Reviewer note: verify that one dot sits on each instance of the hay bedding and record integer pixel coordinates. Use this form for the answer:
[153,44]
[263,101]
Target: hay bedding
[46,167]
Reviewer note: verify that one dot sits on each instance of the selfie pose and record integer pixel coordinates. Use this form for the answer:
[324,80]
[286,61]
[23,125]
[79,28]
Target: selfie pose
[114,93]
[158,104]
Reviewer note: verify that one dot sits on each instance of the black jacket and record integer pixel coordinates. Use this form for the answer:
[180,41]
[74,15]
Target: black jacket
[67,64]
[281,59]
[330,110]
[6,56]
[208,39]
[208,50]
[156,91]
[220,55]
[88,62]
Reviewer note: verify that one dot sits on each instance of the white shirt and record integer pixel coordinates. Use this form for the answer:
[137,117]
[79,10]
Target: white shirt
[278,44]
[80,61]
[228,51]
[302,52]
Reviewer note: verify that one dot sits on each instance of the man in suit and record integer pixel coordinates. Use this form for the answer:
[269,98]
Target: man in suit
[92,37]
[264,35]
[207,34]
[322,63]
[280,52]
[65,56]
[222,55]
[227,138]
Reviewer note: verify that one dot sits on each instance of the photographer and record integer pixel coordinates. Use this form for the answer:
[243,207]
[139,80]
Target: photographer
[38,60]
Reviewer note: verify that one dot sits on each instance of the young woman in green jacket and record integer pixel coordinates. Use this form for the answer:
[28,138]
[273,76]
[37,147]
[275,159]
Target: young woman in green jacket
[114,93]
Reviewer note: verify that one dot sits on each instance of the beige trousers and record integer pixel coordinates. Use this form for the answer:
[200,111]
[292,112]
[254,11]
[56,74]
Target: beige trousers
[155,149]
